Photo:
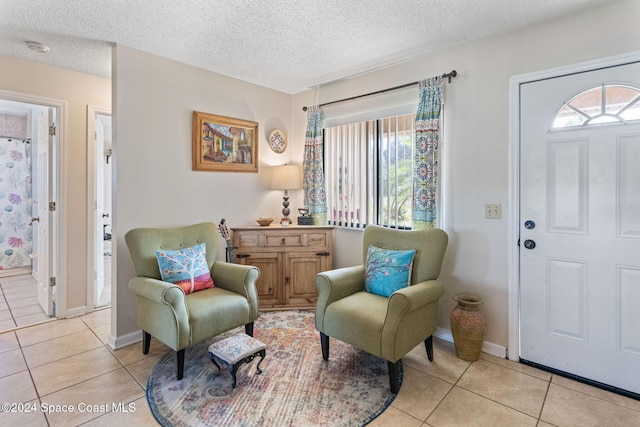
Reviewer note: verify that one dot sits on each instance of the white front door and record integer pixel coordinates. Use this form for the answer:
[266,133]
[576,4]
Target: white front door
[580,234]
[45,252]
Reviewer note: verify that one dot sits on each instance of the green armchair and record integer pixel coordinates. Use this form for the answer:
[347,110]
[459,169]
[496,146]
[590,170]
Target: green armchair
[385,327]
[177,319]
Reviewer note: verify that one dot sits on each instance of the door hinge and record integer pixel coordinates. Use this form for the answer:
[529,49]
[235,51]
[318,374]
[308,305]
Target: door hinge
[52,282]
[52,206]
[52,130]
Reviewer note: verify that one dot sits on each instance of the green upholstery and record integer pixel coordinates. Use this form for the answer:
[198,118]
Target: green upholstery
[385,327]
[179,320]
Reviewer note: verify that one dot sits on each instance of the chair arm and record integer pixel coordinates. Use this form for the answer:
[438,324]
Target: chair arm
[240,279]
[416,296]
[334,285]
[158,291]
[164,293]
[400,332]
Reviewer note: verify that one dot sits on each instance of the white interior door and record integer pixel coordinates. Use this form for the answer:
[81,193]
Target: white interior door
[99,211]
[580,190]
[45,252]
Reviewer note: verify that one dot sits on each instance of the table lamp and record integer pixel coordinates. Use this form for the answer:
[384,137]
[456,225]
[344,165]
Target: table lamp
[286,177]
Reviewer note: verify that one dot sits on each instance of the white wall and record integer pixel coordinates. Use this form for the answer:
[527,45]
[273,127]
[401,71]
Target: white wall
[155,186]
[475,153]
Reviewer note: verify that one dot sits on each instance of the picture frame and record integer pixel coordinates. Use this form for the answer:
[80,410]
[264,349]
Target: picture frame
[224,144]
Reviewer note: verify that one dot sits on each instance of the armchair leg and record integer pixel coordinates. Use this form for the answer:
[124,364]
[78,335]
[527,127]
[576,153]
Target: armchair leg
[146,341]
[324,343]
[428,343]
[395,373]
[180,363]
[248,329]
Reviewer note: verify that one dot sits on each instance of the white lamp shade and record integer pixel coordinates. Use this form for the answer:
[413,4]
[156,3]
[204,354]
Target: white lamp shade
[286,177]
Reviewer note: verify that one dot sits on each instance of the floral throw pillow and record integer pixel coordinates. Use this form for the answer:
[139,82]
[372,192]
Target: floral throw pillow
[387,270]
[186,268]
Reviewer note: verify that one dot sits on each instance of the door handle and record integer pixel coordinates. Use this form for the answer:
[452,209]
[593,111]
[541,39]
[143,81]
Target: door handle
[35,218]
[529,244]
[529,225]
[105,215]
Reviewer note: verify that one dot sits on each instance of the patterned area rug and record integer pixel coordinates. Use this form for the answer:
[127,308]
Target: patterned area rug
[296,388]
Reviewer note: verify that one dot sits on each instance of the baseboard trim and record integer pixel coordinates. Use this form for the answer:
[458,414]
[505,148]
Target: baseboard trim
[76,311]
[124,340]
[487,347]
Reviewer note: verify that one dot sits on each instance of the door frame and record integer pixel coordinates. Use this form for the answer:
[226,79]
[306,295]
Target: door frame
[513,349]
[59,229]
[92,111]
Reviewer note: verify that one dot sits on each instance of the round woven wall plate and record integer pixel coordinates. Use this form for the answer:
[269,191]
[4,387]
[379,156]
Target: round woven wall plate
[278,141]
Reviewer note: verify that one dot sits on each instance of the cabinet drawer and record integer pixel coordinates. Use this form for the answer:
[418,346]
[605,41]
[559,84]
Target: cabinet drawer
[280,240]
[317,239]
[249,240]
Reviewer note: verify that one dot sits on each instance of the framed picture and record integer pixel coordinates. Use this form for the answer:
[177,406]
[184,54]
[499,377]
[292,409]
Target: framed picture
[224,144]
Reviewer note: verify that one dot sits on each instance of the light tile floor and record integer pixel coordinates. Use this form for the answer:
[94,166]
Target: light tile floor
[68,363]
[19,303]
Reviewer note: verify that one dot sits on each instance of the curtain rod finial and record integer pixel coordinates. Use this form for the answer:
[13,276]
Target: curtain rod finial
[304,108]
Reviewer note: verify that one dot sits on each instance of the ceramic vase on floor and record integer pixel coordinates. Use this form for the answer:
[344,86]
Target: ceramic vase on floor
[468,326]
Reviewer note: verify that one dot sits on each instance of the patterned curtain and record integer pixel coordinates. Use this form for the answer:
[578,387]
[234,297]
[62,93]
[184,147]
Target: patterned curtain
[313,173]
[16,231]
[425,179]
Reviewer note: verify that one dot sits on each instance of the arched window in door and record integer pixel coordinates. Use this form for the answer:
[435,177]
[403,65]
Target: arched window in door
[605,103]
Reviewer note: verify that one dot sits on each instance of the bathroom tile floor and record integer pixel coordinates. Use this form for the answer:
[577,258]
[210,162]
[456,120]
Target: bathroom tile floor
[67,362]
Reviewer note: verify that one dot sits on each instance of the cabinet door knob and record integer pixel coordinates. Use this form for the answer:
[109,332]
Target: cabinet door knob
[284,242]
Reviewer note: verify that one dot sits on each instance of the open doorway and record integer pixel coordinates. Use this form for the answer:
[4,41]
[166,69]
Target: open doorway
[28,211]
[100,162]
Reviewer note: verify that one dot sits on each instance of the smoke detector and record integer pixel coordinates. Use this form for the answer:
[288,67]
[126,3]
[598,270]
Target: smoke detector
[38,47]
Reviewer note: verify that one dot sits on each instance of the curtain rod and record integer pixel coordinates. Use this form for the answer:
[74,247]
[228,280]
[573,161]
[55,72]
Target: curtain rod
[450,75]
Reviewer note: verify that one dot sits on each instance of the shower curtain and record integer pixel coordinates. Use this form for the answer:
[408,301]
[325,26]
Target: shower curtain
[16,236]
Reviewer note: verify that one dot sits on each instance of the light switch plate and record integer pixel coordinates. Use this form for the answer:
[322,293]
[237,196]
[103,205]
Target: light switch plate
[493,211]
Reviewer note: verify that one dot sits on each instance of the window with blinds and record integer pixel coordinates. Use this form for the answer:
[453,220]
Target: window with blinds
[368,172]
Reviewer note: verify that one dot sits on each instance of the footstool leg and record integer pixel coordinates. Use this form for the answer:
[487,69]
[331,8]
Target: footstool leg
[233,373]
[262,354]
[213,359]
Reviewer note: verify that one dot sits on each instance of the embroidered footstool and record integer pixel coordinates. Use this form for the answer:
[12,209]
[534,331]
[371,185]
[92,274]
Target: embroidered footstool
[236,350]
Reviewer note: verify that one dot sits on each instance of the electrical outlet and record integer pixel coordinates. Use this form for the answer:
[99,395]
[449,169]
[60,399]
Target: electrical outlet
[493,211]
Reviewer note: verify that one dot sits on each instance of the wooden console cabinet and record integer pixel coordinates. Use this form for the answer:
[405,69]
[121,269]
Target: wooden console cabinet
[288,259]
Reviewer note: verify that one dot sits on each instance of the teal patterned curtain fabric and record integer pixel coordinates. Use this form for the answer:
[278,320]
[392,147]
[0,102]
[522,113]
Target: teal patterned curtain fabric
[313,172]
[425,177]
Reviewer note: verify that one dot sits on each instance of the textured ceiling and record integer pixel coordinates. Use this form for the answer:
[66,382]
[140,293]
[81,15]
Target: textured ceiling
[287,45]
